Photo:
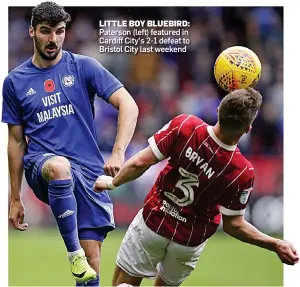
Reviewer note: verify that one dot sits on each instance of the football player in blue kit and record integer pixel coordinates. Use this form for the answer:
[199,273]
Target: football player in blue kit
[48,104]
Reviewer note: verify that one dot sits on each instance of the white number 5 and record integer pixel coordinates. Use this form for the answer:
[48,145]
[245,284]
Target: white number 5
[185,184]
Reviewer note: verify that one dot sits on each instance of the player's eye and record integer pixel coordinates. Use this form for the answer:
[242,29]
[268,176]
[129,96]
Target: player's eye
[60,32]
[45,32]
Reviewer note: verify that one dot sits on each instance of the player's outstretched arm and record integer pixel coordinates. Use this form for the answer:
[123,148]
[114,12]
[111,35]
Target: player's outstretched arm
[127,118]
[131,170]
[16,150]
[238,227]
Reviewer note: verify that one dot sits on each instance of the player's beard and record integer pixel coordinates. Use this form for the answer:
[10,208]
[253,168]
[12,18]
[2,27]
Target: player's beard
[46,56]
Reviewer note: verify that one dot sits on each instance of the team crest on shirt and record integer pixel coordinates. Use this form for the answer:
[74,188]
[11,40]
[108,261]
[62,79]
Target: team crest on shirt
[244,195]
[68,81]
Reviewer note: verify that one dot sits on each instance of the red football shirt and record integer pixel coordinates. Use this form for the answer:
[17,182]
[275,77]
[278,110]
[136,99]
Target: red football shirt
[203,178]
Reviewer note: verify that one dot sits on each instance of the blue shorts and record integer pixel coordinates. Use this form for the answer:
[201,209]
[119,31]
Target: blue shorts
[94,210]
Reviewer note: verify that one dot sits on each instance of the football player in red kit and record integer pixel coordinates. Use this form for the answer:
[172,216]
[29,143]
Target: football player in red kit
[206,179]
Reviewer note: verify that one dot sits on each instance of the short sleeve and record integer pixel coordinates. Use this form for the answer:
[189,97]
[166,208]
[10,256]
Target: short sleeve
[99,79]
[235,200]
[11,110]
[162,141]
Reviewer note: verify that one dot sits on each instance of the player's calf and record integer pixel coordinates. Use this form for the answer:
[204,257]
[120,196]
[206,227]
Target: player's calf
[92,252]
[92,249]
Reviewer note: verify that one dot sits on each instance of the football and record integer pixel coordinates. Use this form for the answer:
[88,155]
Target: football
[237,67]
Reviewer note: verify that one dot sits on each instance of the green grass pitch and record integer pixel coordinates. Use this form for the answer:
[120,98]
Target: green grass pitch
[38,258]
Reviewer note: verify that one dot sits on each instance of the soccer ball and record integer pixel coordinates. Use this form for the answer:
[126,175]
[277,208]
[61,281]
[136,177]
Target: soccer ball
[237,68]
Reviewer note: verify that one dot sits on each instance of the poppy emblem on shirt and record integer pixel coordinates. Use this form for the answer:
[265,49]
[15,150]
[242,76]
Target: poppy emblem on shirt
[49,86]
[68,81]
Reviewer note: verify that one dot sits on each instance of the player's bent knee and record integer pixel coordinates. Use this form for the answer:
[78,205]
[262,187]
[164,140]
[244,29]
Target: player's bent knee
[56,168]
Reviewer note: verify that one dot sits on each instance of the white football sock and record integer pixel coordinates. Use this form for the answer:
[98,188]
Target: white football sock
[71,254]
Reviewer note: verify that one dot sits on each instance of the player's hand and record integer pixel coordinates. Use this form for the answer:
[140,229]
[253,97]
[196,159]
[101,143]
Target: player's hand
[114,163]
[16,215]
[287,252]
[101,183]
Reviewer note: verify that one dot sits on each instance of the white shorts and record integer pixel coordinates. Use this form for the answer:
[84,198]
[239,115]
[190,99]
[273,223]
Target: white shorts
[143,253]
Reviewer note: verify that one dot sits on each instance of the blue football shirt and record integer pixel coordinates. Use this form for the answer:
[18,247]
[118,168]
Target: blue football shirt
[55,105]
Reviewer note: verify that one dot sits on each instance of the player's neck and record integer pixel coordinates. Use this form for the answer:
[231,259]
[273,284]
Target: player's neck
[228,140]
[39,62]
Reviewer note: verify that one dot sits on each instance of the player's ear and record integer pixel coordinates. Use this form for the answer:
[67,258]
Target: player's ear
[31,31]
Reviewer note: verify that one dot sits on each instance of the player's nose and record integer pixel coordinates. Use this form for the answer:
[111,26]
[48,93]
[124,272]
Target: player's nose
[52,37]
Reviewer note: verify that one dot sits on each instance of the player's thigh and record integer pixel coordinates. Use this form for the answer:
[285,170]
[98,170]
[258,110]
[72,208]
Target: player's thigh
[141,250]
[178,263]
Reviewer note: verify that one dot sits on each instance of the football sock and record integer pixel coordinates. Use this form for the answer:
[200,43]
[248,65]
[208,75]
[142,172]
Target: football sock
[64,208]
[71,254]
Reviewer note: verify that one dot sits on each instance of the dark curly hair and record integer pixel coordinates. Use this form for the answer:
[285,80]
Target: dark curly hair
[50,13]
